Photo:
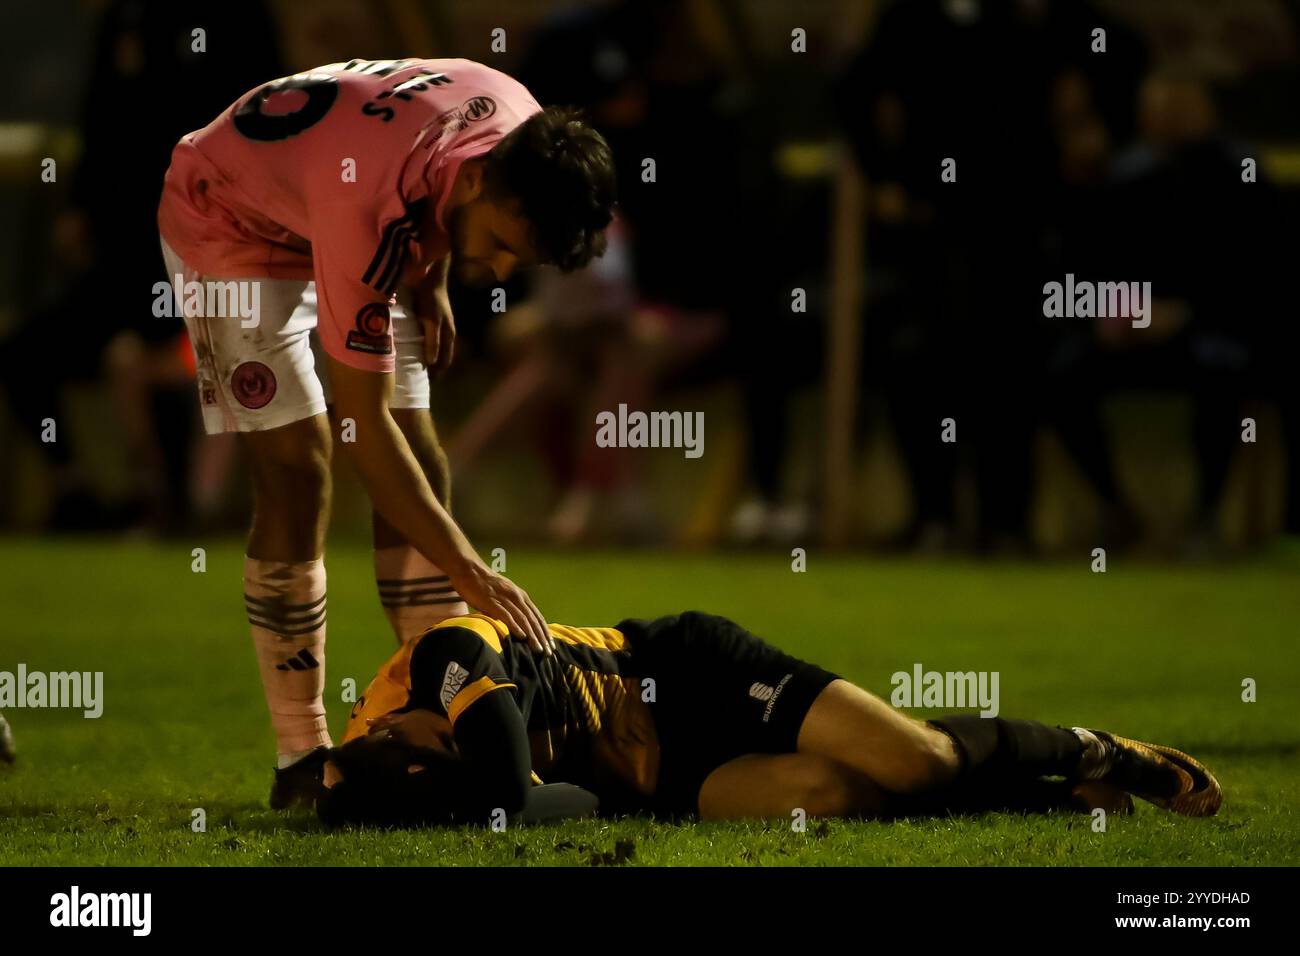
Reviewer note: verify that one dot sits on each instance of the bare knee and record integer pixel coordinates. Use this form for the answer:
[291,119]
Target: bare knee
[830,789]
[290,469]
[931,761]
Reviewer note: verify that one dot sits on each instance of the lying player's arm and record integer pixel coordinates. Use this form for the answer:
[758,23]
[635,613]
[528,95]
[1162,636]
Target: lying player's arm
[457,673]
[401,493]
[493,742]
[492,739]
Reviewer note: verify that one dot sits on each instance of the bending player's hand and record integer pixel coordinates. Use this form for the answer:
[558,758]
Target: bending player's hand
[499,597]
[439,329]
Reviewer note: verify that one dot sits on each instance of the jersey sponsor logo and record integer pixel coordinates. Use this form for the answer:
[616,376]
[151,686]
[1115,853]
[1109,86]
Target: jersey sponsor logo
[253,385]
[471,111]
[453,121]
[372,331]
[761,691]
[478,108]
[452,682]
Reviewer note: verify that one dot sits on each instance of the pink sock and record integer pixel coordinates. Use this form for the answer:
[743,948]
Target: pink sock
[415,593]
[286,612]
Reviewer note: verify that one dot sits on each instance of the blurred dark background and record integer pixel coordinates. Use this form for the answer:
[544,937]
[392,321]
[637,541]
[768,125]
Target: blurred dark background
[776,171]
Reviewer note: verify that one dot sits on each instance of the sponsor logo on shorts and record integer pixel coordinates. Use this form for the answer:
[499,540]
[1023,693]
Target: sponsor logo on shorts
[253,385]
[372,333]
[452,682]
[766,692]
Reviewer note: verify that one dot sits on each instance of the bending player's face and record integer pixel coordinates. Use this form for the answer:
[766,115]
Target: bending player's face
[489,241]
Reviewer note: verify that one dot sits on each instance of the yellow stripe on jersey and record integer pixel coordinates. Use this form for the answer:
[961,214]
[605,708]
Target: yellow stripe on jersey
[494,632]
[602,638]
[490,629]
[467,695]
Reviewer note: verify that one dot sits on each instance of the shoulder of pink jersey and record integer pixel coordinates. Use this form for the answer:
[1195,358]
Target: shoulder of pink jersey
[511,96]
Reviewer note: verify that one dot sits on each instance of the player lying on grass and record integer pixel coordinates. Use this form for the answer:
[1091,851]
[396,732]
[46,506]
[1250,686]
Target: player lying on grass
[326,193]
[691,714]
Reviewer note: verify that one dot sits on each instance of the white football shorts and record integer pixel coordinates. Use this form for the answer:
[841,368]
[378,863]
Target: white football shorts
[274,374]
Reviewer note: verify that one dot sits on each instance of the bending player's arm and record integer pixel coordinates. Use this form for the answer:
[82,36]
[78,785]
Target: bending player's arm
[401,493]
[355,330]
[433,309]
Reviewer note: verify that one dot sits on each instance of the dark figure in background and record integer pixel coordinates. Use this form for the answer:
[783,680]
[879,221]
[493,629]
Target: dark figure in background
[661,84]
[147,87]
[1176,213]
[954,311]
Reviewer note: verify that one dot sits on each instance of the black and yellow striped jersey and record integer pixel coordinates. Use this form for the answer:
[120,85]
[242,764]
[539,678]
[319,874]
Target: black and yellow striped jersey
[584,708]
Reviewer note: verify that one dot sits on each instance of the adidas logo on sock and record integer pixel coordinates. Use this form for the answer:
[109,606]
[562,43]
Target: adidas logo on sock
[302,661]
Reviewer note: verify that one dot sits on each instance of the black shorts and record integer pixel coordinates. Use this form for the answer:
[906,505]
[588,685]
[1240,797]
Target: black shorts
[719,693]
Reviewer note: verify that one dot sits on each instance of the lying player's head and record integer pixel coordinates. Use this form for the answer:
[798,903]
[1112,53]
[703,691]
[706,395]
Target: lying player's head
[382,781]
[543,195]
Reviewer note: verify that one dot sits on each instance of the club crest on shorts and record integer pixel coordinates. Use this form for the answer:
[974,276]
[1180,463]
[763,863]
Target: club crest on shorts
[372,333]
[253,385]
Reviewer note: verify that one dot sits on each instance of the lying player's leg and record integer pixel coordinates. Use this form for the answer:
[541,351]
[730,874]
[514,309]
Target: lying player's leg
[778,785]
[972,761]
[858,729]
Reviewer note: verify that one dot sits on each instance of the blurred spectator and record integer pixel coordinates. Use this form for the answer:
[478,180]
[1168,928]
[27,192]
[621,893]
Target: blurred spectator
[577,346]
[1176,213]
[663,82]
[953,327]
[147,87]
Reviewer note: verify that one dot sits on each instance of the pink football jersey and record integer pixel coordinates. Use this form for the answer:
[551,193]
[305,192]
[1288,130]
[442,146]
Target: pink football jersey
[325,175]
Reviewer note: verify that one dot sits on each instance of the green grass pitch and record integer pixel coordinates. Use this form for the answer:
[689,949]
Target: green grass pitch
[1155,652]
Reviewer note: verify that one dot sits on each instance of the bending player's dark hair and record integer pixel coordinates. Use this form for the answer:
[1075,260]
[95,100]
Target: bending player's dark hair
[562,173]
[382,786]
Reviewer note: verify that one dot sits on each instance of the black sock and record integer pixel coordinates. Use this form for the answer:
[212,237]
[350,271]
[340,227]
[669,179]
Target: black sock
[1003,747]
[1003,761]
